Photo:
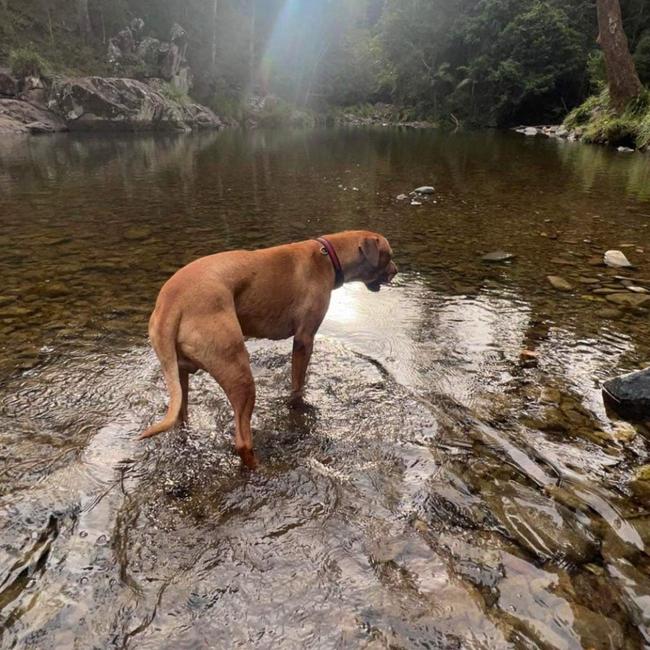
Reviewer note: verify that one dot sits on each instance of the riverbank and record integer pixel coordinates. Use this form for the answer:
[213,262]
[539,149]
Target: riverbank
[594,122]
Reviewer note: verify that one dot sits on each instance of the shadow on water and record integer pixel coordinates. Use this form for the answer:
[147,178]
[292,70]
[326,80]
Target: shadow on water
[441,489]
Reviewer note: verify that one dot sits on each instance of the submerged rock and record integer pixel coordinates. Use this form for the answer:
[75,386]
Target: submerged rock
[425,189]
[559,283]
[539,524]
[616,259]
[629,395]
[640,483]
[137,233]
[497,256]
[628,299]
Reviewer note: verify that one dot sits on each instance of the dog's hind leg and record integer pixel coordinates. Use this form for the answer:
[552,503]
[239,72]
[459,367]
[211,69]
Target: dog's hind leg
[227,361]
[184,378]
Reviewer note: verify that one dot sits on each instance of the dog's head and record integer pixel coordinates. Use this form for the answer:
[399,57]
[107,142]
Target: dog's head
[376,261]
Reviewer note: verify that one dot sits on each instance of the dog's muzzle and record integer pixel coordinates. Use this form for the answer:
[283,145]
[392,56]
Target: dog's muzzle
[385,278]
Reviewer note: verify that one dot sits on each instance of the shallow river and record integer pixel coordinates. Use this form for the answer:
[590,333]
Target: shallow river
[455,481]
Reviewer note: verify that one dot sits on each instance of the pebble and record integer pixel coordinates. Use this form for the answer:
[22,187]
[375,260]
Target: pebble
[616,259]
[559,283]
[609,313]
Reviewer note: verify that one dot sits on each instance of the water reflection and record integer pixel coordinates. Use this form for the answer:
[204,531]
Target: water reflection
[454,481]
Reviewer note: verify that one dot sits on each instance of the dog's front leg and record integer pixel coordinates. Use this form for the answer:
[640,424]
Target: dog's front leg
[302,347]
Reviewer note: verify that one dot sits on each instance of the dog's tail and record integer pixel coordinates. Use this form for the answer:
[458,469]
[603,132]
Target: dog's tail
[163,333]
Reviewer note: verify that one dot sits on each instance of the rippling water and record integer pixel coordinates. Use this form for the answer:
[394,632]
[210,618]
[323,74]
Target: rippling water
[455,481]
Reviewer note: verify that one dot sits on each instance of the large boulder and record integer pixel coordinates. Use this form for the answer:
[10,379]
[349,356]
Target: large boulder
[20,117]
[629,395]
[100,104]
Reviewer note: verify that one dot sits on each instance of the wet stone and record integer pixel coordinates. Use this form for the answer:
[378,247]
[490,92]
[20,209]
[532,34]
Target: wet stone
[629,395]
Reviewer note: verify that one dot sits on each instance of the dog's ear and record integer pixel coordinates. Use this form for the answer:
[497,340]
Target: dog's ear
[370,249]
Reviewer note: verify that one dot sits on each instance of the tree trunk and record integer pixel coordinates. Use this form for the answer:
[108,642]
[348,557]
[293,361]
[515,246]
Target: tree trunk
[622,78]
[215,22]
[83,16]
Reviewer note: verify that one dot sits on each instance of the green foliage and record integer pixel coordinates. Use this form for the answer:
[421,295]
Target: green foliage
[596,72]
[643,132]
[173,93]
[277,112]
[26,62]
[487,61]
[581,115]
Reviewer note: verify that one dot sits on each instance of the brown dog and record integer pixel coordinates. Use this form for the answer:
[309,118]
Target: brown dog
[206,310]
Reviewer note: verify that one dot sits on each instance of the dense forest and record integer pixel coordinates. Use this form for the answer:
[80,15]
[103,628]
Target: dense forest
[479,62]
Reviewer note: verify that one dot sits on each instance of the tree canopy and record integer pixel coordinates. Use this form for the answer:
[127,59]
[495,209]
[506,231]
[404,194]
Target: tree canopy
[488,62]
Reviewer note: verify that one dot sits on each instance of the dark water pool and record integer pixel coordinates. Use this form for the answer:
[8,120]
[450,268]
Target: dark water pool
[455,482]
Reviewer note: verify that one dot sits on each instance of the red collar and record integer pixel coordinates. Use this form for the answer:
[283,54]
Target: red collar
[328,249]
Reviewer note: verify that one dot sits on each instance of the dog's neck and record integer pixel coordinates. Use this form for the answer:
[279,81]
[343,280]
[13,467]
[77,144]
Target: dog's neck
[347,251]
[330,251]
